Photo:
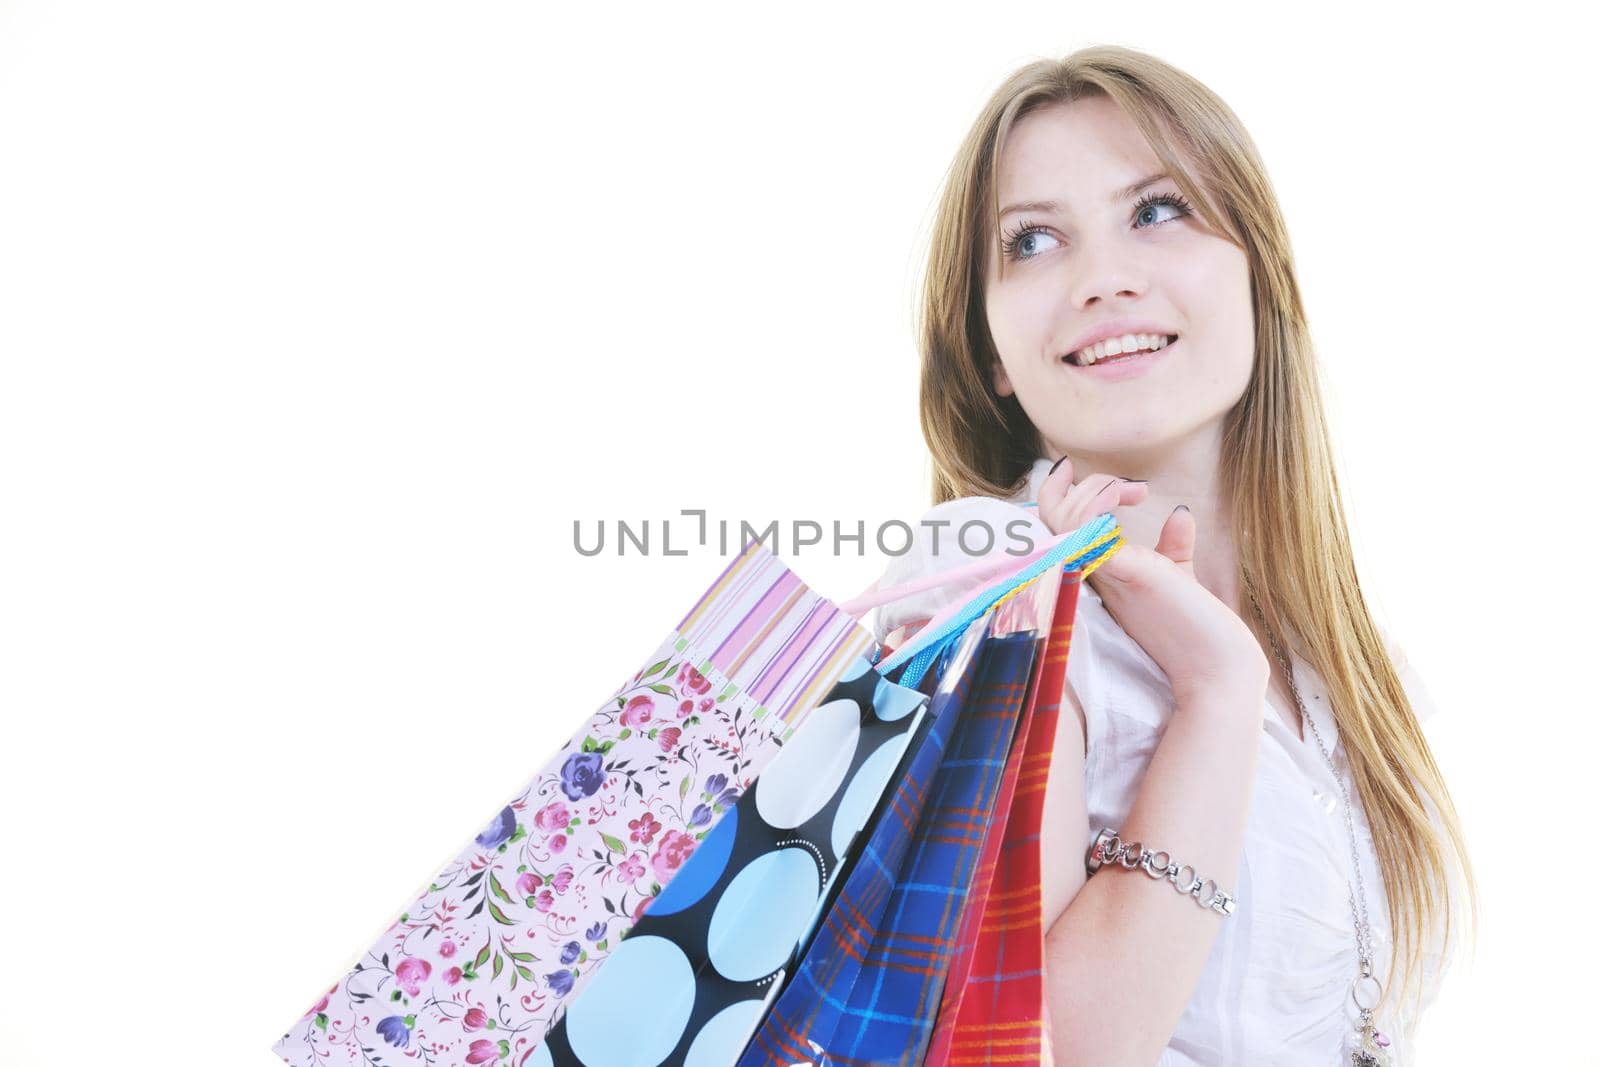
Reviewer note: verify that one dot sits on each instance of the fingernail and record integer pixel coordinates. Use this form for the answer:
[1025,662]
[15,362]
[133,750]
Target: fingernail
[1140,480]
[1056,464]
[1181,507]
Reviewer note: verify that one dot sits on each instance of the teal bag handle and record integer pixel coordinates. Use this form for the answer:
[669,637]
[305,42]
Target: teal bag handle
[918,654]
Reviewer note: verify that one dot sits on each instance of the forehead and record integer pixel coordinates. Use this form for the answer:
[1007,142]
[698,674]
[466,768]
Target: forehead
[1085,144]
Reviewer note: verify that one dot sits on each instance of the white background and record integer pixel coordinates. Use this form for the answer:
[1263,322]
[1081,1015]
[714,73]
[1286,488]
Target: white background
[322,322]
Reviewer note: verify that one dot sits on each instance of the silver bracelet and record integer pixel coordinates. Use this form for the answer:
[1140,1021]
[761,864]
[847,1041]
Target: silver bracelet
[1109,848]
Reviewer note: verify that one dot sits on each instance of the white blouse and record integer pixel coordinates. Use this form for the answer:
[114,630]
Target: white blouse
[1276,986]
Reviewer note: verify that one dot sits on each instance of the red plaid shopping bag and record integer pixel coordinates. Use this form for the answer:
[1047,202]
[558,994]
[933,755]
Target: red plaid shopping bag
[993,1009]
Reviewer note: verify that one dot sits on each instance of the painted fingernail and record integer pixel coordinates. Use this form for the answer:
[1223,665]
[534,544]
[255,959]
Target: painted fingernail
[1056,464]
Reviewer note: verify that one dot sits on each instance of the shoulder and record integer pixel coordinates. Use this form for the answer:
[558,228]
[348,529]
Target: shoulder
[950,535]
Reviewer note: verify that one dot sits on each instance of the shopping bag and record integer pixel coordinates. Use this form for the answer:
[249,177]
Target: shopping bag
[696,972]
[869,987]
[821,999]
[700,967]
[482,962]
[993,1008]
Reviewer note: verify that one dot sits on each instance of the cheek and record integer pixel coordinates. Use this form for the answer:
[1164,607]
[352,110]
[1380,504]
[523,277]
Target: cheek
[1217,306]
[1227,281]
[1019,325]
[1208,293]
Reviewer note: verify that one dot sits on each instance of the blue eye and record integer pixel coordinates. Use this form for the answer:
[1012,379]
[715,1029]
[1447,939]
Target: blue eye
[1014,238]
[1145,207]
[1145,214]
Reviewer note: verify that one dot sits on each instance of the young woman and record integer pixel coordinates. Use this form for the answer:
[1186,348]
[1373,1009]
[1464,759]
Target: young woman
[1112,322]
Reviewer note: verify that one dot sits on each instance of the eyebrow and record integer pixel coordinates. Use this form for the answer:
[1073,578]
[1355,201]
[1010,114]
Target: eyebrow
[1054,205]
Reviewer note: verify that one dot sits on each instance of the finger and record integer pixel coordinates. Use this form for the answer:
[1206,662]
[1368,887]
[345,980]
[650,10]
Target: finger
[1129,566]
[1095,495]
[1105,492]
[1054,508]
[1054,488]
[1177,538]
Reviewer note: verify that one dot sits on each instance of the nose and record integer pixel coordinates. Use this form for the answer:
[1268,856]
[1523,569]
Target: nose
[1105,273]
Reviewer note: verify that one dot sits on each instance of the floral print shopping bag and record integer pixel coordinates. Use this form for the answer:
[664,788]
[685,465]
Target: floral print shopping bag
[481,965]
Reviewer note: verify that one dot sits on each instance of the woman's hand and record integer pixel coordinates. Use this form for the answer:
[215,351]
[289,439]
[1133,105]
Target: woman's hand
[1196,639]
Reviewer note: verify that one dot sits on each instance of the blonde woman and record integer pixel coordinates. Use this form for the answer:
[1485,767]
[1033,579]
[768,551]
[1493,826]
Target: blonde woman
[1111,322]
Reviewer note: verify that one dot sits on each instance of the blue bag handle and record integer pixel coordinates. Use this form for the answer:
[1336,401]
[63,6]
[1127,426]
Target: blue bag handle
[1080,549]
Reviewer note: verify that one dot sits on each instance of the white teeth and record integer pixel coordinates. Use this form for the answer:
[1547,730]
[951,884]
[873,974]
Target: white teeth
[1115,346]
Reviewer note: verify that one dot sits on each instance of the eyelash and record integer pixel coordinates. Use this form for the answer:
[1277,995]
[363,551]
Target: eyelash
[1008,246]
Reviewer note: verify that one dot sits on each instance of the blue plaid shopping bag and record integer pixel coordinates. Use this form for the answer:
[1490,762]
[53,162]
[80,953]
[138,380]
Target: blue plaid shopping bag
[869,987]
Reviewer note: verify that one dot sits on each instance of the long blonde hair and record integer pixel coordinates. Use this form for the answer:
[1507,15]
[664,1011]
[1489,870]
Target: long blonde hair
[1277,465]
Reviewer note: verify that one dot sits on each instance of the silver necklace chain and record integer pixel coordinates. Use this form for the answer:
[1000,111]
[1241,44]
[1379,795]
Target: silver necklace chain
[1366,982]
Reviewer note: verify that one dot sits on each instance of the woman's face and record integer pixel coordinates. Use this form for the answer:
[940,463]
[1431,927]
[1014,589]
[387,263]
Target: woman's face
[1102,256]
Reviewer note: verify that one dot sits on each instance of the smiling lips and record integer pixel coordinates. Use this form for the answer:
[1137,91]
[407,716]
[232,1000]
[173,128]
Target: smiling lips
[1126,344]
